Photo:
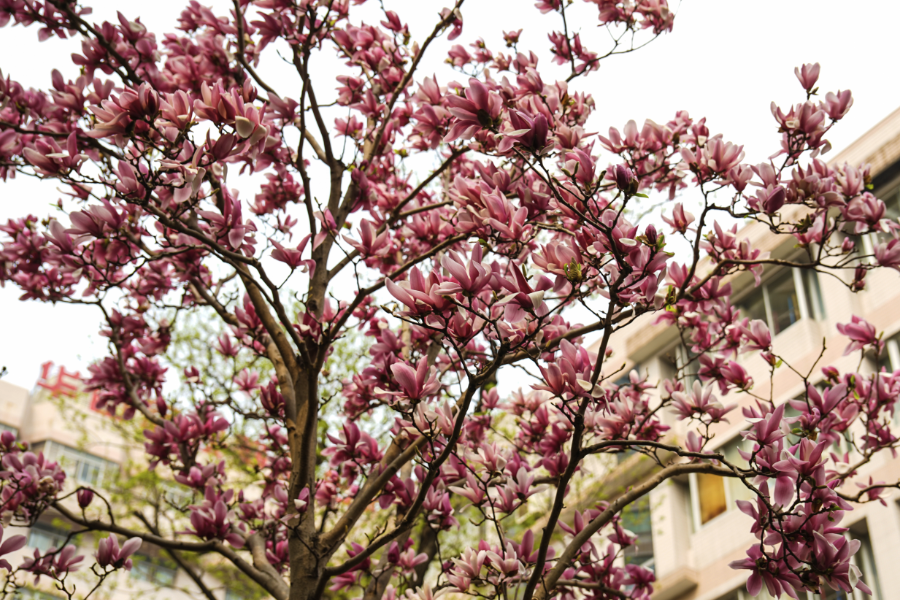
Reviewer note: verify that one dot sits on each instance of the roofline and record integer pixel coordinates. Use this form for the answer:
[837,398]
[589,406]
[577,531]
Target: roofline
[879,146]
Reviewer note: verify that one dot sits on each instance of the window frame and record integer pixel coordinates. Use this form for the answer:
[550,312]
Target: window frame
[806,287]
[741,594]
[157,565]
[646,559]
[50,532]
[175,493]
[865,555]
[679,357]
[867,241]
[694,491]
[33,594]
[890,360]
[73,461]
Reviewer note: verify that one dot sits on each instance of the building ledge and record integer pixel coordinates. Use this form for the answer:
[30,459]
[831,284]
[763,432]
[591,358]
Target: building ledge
[675,584]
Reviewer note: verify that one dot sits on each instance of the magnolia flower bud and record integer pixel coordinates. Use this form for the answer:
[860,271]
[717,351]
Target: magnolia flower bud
[85,497]
[625,179]
[808,74]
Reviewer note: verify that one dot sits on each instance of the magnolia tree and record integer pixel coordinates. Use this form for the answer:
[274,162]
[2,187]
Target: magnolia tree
[453,224]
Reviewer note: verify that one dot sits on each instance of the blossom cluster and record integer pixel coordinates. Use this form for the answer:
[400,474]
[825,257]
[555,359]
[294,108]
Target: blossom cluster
[463,273]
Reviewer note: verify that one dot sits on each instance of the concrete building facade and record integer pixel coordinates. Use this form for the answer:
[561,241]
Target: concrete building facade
[58,419]
[693,528]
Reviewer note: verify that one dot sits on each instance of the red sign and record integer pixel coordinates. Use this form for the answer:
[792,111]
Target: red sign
[66,383]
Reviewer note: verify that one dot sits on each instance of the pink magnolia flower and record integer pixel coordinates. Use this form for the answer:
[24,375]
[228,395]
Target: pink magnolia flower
[861,334]
[700,402]
[467,568]
[109,554]
[370,244]
[523,298]
[49,159]
[213,520]
[11,544]
[54,563]
[837,105]
[459,56]
[874,491]
[328,225]
[85,497]
[455,20]
[528,130]
[302,501]
[225,346]
[834,551]
[774,575]
[415,385]
[808,74]
[479,109]
[767,429]
[680,219]
[230,225]
[420,294]
[757,335]
[470,276]
[506,563]
[624,178]
[353,446]
[293,257]
[247,381]
[888,254]
[473,490]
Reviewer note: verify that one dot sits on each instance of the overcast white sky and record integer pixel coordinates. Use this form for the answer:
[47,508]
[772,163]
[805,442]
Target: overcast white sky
[725,60]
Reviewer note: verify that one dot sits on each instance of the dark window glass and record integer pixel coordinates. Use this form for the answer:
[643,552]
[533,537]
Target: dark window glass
[777,302]
[158,571]
[29,594]
[44,536]
[753,306]
[712,496]
[681,363]
[891,201]
[636,519]
[784,301]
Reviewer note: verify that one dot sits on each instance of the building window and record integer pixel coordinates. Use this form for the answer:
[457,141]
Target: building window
[891,201]
[636,519]
[10,428]
[176,494]
[840,446]
[624,455]
[84,468]
[889,359]
[865,561]
[712,495]
[156,570]
[678,362]
[784,299]
[742,594]
[711,498]
[30,594]
[44,536]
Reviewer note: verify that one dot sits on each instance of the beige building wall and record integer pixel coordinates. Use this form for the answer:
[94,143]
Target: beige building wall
[691,557]
[87,445]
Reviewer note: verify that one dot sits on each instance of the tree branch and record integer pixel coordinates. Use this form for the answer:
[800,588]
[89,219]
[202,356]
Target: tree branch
[551,579]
